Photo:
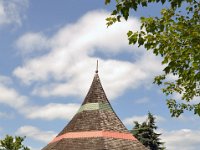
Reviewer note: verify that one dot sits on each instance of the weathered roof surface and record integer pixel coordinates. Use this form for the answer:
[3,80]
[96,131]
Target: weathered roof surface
[95,144]
[95,126]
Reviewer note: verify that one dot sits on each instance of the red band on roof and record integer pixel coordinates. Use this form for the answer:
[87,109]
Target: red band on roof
[90,134]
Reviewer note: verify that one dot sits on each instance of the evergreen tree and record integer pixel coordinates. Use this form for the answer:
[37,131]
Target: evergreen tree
[145,133]
[12,143]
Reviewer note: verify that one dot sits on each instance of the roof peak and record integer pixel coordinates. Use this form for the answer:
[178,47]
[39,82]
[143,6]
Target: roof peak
[97,67]
[95,126]
[96,92]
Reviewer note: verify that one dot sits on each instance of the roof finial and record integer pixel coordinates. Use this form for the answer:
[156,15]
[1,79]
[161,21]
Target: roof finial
[97,67]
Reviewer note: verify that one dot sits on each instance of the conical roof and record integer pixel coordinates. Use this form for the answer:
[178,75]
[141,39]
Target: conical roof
[95,126]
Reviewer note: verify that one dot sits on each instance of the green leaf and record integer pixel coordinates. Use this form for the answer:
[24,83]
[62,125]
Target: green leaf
[129,33]
[140,41]
[197,109]
[163,1]
[144,3]
[167,70]
[107,2]
[174,36]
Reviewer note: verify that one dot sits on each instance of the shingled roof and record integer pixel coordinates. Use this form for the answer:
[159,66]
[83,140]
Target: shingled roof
[95,126]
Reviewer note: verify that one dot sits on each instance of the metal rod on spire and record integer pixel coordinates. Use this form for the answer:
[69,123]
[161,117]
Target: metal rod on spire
[97,67]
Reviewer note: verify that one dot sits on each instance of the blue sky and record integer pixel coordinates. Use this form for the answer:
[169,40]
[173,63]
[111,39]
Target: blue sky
[48,58]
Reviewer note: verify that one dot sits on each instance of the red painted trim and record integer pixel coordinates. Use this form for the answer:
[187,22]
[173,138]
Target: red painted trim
[90,134]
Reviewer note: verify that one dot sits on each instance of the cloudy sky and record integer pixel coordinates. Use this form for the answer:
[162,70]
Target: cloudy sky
[48,56]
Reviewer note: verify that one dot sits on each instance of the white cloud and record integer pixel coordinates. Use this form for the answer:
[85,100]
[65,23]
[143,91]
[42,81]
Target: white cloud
[10,97]
[21,103]
[184,139]
[31,42]
[115,81]
[130,120]
[35,133]
[5,80]
[12,11]
[178,96]
[52,111]
[5,115]
[34,148]
[70,61]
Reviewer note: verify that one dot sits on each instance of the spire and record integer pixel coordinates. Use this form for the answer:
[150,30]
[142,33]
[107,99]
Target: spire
[97,67]
[96,93]
[95,126]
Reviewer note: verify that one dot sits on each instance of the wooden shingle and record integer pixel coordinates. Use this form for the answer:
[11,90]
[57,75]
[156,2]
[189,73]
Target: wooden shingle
[95,126]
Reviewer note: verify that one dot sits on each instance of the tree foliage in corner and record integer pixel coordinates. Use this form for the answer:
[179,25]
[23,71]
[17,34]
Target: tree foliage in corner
[12,143]
[145,133]
[175,36]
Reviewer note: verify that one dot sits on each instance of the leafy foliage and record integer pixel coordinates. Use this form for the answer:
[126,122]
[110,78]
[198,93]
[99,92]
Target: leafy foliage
[175,36]
[145,133]
[12,143]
